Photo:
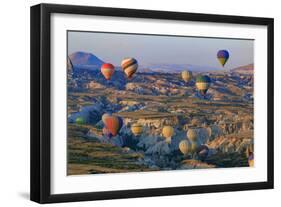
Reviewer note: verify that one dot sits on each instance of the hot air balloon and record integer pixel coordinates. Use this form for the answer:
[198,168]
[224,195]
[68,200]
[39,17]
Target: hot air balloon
[250,155]
[192,135]
[186,75]
[113,124]
[129,66]
[251,159]
[168,132]
[185,147]
[107,70]
[222,56]
[202,152]
[106,132]
[203,83]
[136,129]
[80,120]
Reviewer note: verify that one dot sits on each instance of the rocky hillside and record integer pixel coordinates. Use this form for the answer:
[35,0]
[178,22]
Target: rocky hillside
[244,70]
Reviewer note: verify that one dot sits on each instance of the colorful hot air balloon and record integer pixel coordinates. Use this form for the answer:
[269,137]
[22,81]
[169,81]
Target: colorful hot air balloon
[136,129]
[202,152]
[186,75]
[222,56]
[129,66]
[80,120]
[251,159]
[113,124]
[192,135]
[203,83]
[106,132]
[250,155]
[185,147]
[107,70]
[168,132]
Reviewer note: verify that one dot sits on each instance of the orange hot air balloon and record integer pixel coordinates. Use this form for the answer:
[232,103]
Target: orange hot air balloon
[113,124]
[107,70]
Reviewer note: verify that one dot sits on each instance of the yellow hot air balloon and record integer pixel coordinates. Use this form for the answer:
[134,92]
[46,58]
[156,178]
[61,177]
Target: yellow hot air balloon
[186,75]
[185,147]
[250,155]
[168,132]
[251,162]
[192,135]
[136,129]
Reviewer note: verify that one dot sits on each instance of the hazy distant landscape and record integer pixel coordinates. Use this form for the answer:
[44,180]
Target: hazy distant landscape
[156,96]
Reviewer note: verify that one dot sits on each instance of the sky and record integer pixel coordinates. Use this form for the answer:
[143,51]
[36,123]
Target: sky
[155,49]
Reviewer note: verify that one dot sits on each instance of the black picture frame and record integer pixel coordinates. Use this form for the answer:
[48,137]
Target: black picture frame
[41,98]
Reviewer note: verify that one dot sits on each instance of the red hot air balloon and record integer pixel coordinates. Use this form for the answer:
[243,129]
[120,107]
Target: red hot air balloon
[113,124]
[107,70]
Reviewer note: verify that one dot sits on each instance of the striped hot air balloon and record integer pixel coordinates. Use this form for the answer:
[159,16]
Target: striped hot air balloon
[107,70]
[223,56]
[129,66]
[203,83]
[186,75]
[136,129]
[113,124]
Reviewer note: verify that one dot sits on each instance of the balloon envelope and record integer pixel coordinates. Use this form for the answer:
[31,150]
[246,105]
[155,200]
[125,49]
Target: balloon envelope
[186,75]
[107,70]
[136,129]
[192,135]
[167,131]
[251,160]
[203,83]
[223,56]
[129,66]
[113,124]
[185,147]
[80,120]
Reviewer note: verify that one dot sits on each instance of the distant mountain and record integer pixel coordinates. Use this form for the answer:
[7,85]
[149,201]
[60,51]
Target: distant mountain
[175,68]
[85,60]
[246,69]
